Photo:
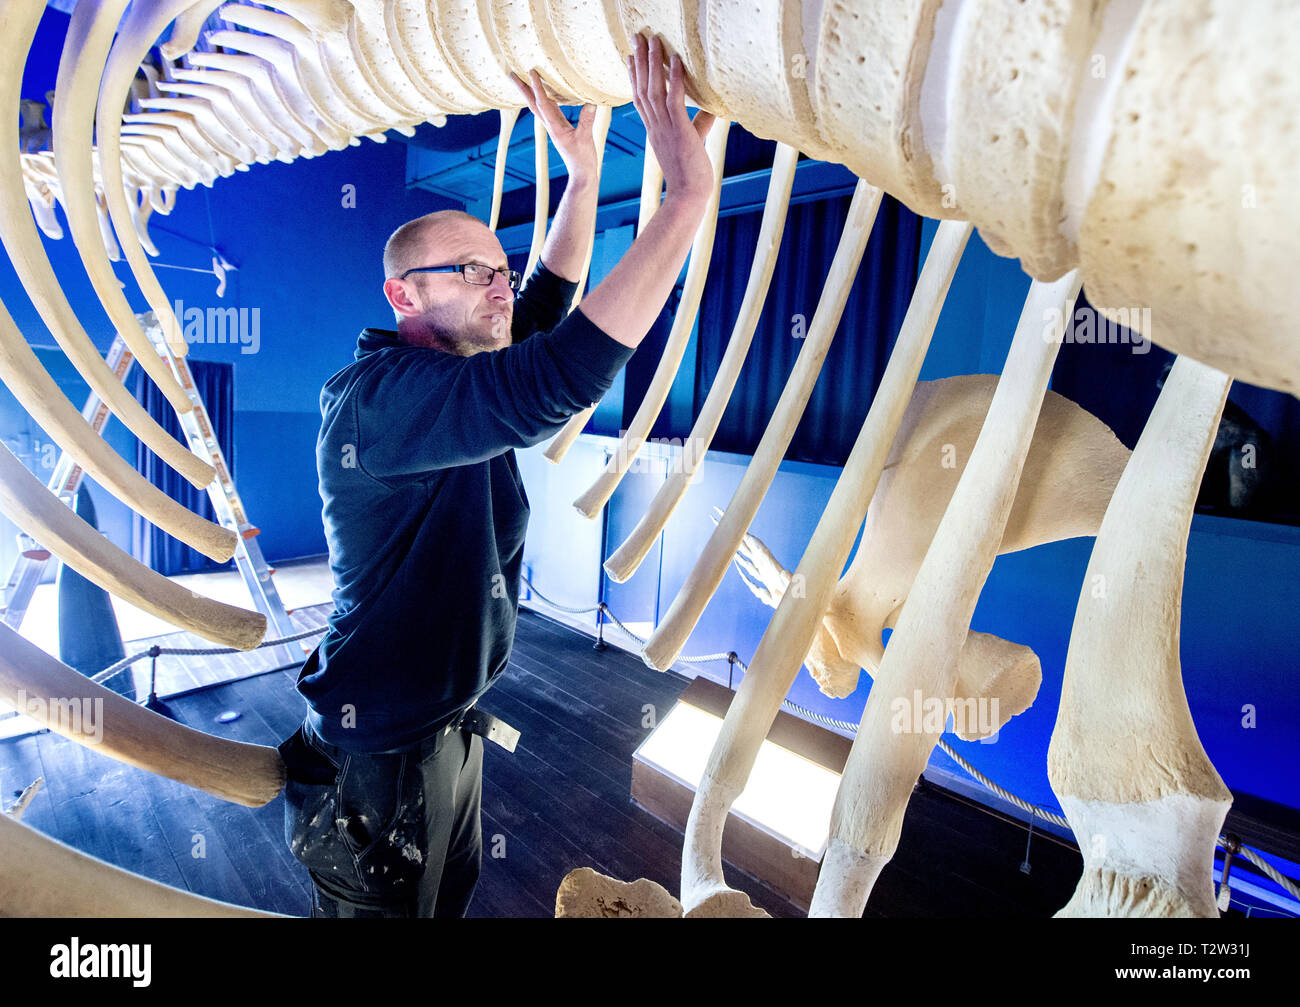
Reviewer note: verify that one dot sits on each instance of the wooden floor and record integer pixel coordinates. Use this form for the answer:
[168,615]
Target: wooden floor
[560,801]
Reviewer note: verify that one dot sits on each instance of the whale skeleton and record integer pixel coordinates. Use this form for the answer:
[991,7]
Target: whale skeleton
[1095,141]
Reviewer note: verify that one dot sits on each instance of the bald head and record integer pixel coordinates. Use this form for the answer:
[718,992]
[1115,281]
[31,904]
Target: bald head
[409,246]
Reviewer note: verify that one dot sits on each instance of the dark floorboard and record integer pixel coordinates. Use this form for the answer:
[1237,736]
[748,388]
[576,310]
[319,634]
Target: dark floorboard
[560,801]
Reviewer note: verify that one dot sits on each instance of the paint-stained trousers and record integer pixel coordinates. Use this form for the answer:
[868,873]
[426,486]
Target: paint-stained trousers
[386,835]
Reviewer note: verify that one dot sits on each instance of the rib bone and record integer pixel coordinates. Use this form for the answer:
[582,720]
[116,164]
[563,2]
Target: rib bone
[40,396]
[134,39]
[542,196]
[18,22]
[652,186]
[90,35]
[666,643]
[68,703]
[45,518]
[788,635]
[42,877]
[883,764]
[593,501]
[1145,803]
[625,560]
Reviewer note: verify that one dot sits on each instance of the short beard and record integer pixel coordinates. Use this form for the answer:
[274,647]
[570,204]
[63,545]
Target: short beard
[426,332]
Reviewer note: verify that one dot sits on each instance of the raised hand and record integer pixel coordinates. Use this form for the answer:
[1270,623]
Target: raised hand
[575,143]
[677,140]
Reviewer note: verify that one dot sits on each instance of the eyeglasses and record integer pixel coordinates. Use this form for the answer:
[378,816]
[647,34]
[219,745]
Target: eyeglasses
[472,272]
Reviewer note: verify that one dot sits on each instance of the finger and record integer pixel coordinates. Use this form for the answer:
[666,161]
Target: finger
[546,108]
[657,85]
[641,65]
[545,89]
[676,90]
[650,106]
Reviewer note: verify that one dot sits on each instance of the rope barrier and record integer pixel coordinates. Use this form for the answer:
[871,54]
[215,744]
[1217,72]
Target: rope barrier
[126,662]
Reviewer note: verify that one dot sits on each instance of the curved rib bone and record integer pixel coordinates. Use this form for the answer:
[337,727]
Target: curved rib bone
[599,134]
[666,642]
[44,517]
[38,393]
[593,501]
[83,711]
[18,23]
[1073,464]
[1141,795]
[625,560]
[90,35]
[884,764]
[652,186]
[135,37]
[789,634]
[542,195]
[141,210]
[509,116]
[41,877]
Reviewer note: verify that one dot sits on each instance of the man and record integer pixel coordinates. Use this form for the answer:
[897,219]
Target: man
[425,512]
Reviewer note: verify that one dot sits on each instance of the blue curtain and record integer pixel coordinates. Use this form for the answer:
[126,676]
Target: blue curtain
[862,343]
[150,545]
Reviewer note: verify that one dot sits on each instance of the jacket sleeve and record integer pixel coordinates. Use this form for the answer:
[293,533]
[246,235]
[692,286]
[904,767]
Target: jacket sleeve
[430,410]
[541,304]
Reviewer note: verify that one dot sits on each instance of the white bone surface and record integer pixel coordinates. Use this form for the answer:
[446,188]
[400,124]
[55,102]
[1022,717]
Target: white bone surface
[1145,803]
[788,635]
[85,50]
[42,877]
[38,393]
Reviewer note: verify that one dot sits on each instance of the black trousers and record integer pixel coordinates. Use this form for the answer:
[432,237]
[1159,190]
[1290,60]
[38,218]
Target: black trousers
[394,835]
